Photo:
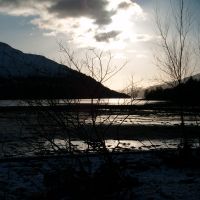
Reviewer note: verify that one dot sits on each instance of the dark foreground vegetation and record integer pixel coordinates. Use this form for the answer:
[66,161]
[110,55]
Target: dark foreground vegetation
[139,175]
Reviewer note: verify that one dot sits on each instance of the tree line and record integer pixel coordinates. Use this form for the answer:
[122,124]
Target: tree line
[186,92]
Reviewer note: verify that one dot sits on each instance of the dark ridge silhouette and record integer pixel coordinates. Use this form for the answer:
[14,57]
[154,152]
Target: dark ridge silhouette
[79,86]
[29,76]
[187,92]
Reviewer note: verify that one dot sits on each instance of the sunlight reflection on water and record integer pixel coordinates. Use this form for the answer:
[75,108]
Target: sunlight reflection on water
[144,120]
[103,101]
[128,144]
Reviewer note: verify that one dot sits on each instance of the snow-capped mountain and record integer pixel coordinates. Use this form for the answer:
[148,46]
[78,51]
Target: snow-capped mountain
[14,63]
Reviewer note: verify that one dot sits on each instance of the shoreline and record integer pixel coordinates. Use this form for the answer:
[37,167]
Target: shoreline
[134,132]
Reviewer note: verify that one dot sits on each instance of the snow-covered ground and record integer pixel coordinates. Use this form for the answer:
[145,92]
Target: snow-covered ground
[23,179]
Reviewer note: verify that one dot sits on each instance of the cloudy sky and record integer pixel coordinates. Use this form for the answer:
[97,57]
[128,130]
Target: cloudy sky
[124,27]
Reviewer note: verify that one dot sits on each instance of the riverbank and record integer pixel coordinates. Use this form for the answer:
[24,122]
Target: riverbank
[117,138]
[146,163]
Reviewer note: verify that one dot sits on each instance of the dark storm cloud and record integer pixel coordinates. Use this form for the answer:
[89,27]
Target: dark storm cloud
[124,5]
[105,37]
[94,9]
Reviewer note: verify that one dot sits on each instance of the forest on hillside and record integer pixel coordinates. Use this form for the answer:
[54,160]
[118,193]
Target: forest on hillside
[187,92]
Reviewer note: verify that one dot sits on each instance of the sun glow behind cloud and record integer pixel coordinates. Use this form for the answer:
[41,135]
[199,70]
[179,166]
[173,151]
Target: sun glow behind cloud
[113,25]
[115,32]
[123,24]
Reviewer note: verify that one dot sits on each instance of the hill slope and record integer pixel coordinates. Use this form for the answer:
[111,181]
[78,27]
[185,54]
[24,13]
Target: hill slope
[33,76]
[169,85]
[184,93]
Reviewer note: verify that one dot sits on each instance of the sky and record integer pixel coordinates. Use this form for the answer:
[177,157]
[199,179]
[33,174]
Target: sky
[126,28]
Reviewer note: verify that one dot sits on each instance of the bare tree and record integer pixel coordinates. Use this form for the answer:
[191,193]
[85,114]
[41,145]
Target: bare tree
[174,56]
[175,50]
[95,63]
[132,89]
[99,65]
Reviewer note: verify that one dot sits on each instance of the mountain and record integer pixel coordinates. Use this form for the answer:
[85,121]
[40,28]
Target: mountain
[29,76]
[170,84]
[14,63]
[195,77]
[186,92]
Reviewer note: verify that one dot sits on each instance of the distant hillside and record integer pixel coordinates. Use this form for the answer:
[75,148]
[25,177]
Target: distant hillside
[31,76]
[187,92]
[195,77]
[164,86]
